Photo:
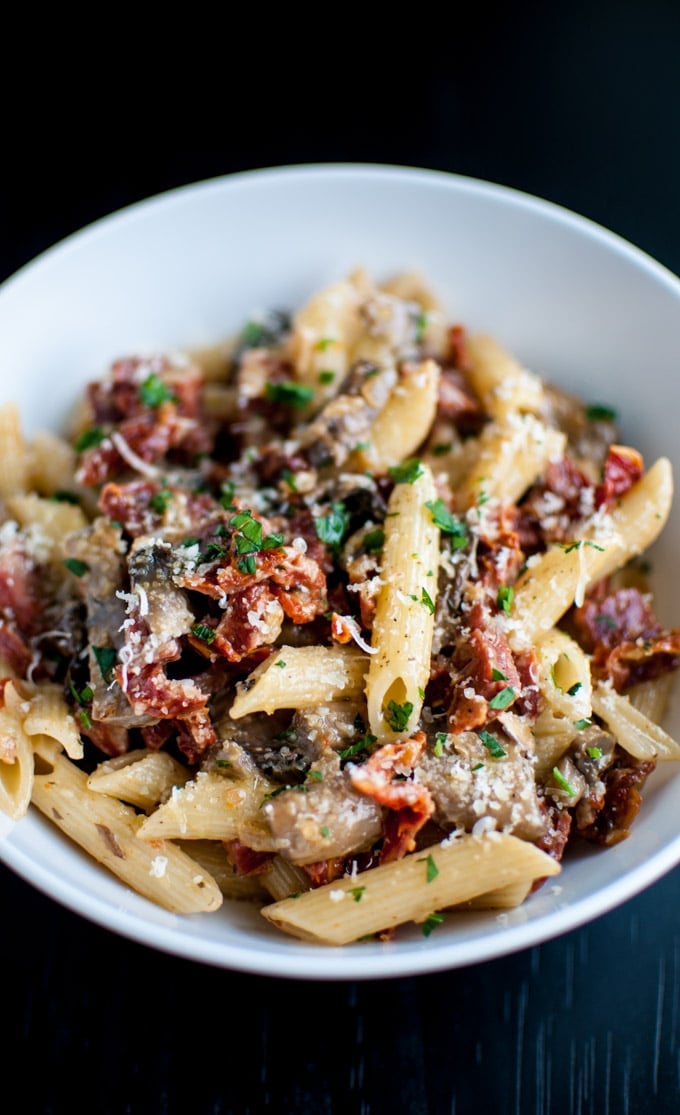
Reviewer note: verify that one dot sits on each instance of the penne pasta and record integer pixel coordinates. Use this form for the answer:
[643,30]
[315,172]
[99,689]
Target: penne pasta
[14,465]
[559,578]
[503,385]
[16,756]
[408,890]
[108,831]
[404,421]
[404,619]
[296,677]
[636,733]
[510,457]
[210,806]
[141,778]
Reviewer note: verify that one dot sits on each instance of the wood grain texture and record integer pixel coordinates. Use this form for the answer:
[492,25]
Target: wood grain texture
[586,1024]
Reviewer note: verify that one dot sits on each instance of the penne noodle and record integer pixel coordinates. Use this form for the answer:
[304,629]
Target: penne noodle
[16,756]
[210,806]
[404,421]
[14,466]
[500,381]
[382,897]
[47,714]
[108,831]
[636,733]
[141,778]
[559,577]
[510,457]
[404,618]
[297,677]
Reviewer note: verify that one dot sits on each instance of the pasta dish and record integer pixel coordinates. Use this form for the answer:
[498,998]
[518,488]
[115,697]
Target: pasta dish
[347,616]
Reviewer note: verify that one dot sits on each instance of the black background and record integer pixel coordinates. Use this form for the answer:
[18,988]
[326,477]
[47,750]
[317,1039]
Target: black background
[579,105]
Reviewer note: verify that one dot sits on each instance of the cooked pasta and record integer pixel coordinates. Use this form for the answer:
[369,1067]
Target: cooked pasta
[338,617]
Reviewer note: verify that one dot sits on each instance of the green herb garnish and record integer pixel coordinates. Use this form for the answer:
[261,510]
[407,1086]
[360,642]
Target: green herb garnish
[203,632]
[78,568]
[106,658]
[598,413]
[492,745]
[503,698]
[432,869]
[295,395]
[505,597]
[431,922]
[448,523]
[374,540]
[89,438]
[332,528]
[407,472]
[562,782]
[397,716]
[153,392]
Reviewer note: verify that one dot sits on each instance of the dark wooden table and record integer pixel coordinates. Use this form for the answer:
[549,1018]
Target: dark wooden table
[581,107]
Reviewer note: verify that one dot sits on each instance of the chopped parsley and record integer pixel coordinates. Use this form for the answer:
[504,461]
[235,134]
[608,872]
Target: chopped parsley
[82,698]
[427,600]
[503,698]
[203,632]
[357,893]
[325,831]
[448,523]
[282,789]
[498,675]
[295,395]
[374,541]
[362,744]
[317,775]
[431,922]
[407,472]
[421,326]
[227,495]
[106,658]
[568,547]
[266,330]
[63,496]
[492,745]
[593,752]
[153,392]
[505,597]
[581,725]
[89,438]
[439,741]
[326,376]
[573,689]
[441,448]
[563,783]
[598,413]
[280,663]
[288,478]
[432,870]
[332,528]
[213,551]
[78,568]
[397,716]
[247,565]
[159,500]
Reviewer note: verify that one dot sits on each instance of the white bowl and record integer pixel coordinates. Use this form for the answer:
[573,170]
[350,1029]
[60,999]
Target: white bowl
[573,301]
